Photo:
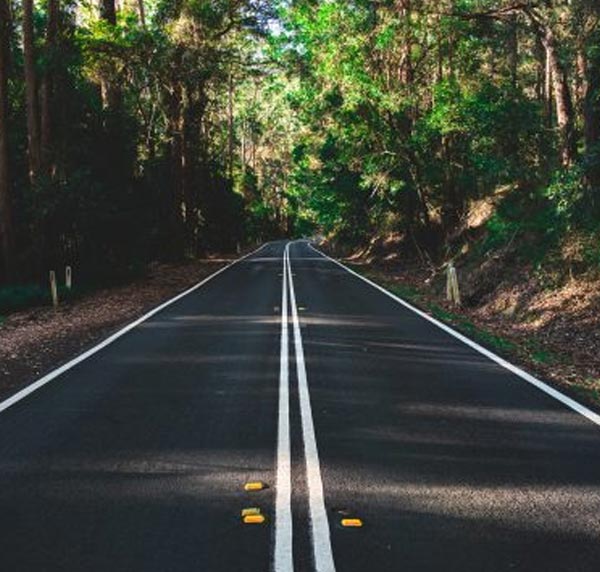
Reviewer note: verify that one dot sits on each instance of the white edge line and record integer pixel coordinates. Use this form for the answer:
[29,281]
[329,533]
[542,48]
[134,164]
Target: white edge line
[283,559]
[559,396]
[321,536]
[113,337]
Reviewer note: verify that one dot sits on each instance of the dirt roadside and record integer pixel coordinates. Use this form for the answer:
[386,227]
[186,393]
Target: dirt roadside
[35,341]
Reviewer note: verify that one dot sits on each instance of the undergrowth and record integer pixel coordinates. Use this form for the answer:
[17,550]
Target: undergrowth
[20,297]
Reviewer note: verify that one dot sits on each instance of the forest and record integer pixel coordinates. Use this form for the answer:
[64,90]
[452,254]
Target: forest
[140,130]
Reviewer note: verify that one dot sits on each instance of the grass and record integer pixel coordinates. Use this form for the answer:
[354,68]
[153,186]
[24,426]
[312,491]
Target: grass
[494,341]
[407,292]
[544,357]
[590,390]
[24,296]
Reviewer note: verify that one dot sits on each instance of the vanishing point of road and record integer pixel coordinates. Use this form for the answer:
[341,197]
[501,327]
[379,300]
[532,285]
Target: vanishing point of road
[286,368]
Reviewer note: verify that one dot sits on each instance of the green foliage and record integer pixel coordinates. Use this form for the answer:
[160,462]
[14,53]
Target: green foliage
[13,298]
[143,162]
[370,142]
[525,223]
[500,231]
[221,121]
[567,194]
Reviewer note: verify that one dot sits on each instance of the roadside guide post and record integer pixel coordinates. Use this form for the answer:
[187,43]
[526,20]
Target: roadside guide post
[53,288]
[452,290]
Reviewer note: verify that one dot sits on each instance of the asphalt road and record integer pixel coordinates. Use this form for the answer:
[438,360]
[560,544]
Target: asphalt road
[344,402]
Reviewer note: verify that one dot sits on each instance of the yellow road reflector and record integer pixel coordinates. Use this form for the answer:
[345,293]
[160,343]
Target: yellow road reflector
[254,519]
[255,486]
[352,522]
[250,511]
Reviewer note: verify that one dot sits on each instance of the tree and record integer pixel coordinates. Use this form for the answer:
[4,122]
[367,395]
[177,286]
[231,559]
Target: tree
[48,90]
[591,96]
[560,85]
[111,94]
[181,127]
[6,208]
[31,93]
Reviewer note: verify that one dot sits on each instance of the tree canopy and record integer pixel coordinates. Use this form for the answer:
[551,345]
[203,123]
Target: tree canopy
[146,129]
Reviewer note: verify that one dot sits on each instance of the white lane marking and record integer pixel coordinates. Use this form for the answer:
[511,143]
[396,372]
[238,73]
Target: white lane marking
[567,401]
[320,533]
[70,364]
[283,560]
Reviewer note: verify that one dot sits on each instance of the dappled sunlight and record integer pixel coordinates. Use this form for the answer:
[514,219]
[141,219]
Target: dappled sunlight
[187,358]
[562,419]
[184,321]
[336,320]
[260,259]
[549,508]
[445,430]
[397,354]
[159,476]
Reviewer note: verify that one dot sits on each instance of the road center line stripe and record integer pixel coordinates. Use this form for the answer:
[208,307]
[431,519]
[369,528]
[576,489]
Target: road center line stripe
[283,560]
[70,364]
[320,533]
[559,396]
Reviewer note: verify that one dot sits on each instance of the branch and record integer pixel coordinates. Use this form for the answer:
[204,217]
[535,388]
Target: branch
[495,13]
[518,7]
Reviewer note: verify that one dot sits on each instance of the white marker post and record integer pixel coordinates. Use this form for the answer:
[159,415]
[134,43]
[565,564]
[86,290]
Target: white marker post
[452,290]
[68,277]
[53,288]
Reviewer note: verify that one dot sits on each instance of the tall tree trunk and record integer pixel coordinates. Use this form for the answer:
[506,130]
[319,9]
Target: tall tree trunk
[513,50]
[188,170]
[31,95]
[111,94]
[176,239]
[108,11]
[48,87]
[548,91]
[142,12]
[6,214]
[557,79]
[591,117]
[406,71]
[540,75]
[564,103]
[440,61]
[230,127]
[243,146]
[581,78]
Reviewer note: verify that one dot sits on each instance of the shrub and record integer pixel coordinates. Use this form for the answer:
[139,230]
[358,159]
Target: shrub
[13,298]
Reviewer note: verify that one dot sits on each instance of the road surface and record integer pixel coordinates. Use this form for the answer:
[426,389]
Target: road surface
[346,403]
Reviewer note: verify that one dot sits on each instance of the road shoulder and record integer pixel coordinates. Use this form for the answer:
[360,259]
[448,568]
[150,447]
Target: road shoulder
[557,368]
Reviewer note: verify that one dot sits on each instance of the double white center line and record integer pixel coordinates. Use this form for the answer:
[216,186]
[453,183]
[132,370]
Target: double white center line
[283,556]
[319,525]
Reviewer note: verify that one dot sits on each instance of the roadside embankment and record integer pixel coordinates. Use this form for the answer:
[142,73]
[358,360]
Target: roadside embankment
[546,324]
